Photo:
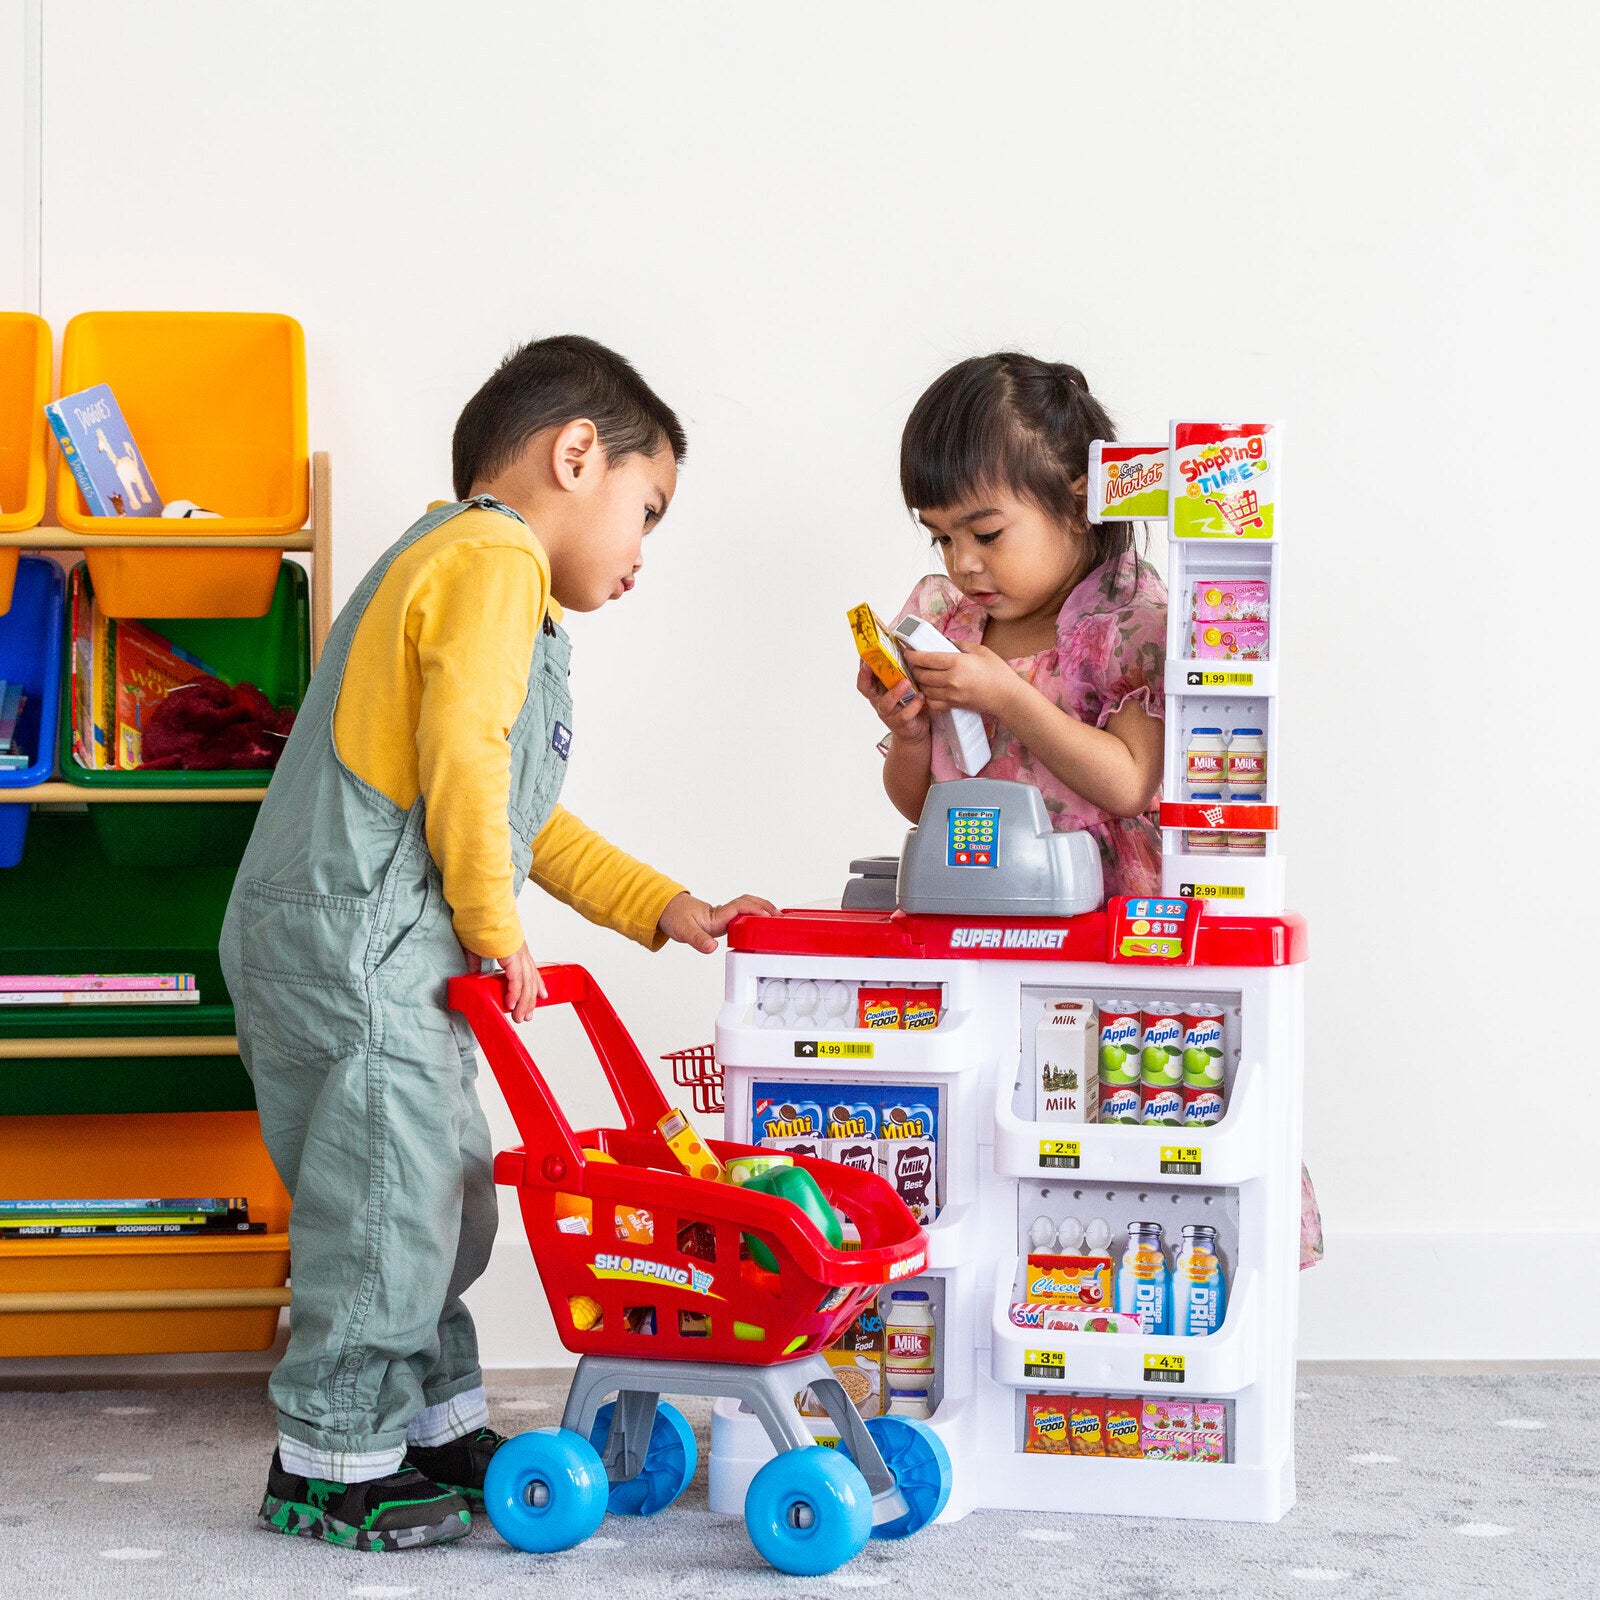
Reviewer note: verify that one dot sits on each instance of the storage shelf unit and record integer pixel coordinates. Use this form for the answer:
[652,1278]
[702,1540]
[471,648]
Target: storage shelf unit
[141,1100]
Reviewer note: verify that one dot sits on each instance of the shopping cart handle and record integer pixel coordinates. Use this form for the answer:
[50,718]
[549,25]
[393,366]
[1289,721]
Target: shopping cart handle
[546,1134]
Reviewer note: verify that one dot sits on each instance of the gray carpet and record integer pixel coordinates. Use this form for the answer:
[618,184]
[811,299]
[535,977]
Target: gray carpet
[1418,1486]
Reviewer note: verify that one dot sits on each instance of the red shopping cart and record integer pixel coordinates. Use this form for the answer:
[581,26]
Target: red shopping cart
[652,1282]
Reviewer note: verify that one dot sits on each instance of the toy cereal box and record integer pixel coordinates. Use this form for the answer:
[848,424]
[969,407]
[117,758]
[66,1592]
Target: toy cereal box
[1224,479]
[1127,481]
[1046,1431]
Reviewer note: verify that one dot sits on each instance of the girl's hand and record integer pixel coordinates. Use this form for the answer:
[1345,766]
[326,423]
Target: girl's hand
[901,710]
[976,680]
[693,922]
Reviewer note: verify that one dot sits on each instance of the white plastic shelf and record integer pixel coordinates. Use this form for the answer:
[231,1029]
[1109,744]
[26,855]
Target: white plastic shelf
[1221,1364]
[1188,675]
[896,1053]
[1230,1152]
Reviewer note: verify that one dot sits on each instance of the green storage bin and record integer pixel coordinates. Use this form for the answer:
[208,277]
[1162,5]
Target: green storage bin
[274,653]
[66,908]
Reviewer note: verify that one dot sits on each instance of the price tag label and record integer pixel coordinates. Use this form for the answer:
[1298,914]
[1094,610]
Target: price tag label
[1180,1160]
[1153,930]
[1211,891]
[1059,1153]
[1163,1369]
[833,1049]
[1219,680]
[1048,1363]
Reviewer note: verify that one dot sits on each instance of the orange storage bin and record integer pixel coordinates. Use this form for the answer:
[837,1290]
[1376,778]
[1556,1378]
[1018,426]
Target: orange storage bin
[217,403]
[24,389]
[180,1154]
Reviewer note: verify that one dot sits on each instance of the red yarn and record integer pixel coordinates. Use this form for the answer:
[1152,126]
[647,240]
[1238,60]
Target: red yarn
[205,726]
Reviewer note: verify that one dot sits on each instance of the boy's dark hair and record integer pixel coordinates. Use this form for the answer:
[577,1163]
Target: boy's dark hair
[1009,421]
[547,384]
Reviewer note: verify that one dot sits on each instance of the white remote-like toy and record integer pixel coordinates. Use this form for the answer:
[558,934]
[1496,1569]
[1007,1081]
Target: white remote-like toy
[972,743]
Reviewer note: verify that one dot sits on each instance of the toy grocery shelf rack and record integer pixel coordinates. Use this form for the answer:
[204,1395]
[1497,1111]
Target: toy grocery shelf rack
[1001,1168]
[87,1296]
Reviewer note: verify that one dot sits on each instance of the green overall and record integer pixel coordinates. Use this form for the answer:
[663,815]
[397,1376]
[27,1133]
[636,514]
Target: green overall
[337,947]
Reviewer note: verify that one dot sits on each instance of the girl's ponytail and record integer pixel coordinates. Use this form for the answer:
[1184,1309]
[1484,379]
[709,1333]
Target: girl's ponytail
[1010,421]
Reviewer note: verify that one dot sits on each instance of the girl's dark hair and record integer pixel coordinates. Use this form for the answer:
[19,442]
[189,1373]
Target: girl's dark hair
[547,384]
[1009,421]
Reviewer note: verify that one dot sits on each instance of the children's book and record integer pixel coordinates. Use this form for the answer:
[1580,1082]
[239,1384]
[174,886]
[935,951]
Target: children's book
[148,669]
[60,982]
[94,685]
[53,1210]
[98,446]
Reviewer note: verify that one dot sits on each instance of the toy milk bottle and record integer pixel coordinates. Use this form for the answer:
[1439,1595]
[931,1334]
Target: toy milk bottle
[1144,1281]
[1199,1288]
[908,1340]
[1204,760]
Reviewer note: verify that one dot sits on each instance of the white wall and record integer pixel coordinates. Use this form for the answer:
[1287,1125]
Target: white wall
[1367,220]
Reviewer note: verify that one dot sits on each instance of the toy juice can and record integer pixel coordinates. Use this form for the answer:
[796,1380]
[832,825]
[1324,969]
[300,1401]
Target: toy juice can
[1160,1107]
[1202,1044]
[741,1169]
[1121,1030]
[1202,1105]
[1161,1044]
[1123,1104]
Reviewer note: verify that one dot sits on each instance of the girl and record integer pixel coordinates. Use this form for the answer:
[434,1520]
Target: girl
[1062,628]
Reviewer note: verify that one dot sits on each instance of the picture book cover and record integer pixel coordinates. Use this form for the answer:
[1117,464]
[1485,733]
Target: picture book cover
[148,669]
[98,446]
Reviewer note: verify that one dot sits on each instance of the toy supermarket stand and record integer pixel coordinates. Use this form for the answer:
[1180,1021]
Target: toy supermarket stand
[959,1147]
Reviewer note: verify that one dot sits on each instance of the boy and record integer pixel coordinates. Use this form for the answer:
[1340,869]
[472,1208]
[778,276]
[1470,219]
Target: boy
[416,792]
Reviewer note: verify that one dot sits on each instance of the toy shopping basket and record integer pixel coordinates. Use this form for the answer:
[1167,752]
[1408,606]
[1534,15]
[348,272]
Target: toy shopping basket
[652,1282]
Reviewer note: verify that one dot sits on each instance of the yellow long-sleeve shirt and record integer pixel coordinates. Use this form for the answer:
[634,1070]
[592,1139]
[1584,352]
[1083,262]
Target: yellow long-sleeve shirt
[437,675]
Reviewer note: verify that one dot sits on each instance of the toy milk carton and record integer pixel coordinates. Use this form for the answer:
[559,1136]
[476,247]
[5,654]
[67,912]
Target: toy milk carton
[1066,1057]
[1127,481]
[908,1149]
[1224,480]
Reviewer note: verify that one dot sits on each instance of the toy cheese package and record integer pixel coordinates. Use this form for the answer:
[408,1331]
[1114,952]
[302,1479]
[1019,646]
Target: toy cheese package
[1224,480]
[894,1127]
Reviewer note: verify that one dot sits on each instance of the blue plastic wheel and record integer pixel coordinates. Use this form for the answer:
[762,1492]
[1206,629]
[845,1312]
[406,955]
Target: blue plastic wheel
[669,1463]
[916,1456]
[545,1490]
[808,1511]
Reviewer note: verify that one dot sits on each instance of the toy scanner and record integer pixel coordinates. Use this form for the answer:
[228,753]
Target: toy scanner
[985,847]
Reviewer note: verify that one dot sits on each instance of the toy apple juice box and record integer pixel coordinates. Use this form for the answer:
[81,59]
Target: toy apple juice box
[1066,1058]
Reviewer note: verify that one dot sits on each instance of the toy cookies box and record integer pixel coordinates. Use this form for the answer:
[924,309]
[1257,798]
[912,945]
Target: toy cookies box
[1224,479]
[779,1114]
[1127,481]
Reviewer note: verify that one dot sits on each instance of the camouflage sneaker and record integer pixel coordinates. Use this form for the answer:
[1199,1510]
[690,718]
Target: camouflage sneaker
[460,1464]
[398,1512]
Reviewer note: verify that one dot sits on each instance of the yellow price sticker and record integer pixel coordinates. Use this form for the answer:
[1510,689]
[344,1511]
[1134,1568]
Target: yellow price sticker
[1220,680]
[834,1049]
[1163,1369]
[1212,891]
[1044,1363]
[1059,1153]
[1183,1160]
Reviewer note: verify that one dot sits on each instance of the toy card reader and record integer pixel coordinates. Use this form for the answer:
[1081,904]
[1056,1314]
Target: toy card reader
[986,847]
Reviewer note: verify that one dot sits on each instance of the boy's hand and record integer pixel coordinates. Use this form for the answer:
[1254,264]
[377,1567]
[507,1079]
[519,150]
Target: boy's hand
[524,987]
[901,710]
[692,921]
[975,680]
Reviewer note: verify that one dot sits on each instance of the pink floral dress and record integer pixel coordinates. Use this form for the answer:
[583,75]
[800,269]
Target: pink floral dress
[1110,651]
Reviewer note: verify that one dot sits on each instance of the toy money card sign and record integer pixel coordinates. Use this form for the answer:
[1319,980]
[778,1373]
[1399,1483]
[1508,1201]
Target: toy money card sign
[1224,479]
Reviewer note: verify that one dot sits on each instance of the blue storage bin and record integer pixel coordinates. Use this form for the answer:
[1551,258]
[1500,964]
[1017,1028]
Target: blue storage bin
[32,633]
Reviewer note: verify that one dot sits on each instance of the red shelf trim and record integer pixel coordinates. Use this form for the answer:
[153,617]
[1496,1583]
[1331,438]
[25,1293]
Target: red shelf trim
[1185,814]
